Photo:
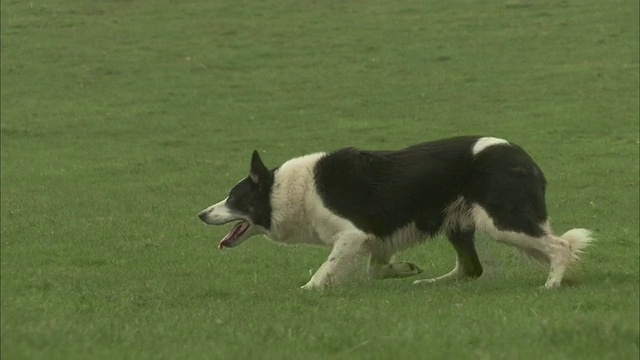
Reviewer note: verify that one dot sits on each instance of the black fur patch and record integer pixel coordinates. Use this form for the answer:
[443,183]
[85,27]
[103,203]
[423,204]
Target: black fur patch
[507,183]
[383,191]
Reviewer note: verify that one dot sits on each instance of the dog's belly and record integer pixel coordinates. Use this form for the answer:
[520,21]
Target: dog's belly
[401,239]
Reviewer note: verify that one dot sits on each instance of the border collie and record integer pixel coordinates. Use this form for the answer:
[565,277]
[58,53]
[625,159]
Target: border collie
[378,203]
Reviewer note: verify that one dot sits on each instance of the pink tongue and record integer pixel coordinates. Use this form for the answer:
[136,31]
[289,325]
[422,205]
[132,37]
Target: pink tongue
[231,235]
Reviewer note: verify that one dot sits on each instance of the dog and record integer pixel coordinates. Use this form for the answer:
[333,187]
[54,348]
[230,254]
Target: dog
[378,203]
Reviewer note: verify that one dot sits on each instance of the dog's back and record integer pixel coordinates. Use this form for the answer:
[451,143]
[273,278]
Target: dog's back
[383,191]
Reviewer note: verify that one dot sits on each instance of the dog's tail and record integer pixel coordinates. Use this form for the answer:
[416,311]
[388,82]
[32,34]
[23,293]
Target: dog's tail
[578,239]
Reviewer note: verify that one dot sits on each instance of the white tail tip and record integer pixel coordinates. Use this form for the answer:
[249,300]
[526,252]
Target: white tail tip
[578,240]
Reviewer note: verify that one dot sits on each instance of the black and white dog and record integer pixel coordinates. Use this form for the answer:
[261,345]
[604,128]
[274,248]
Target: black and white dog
[382,202]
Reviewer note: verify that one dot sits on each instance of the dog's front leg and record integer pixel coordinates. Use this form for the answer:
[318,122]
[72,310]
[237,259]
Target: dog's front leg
[346,250]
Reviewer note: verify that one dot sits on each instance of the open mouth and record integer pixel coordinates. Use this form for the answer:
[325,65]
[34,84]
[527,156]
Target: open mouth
[235,235]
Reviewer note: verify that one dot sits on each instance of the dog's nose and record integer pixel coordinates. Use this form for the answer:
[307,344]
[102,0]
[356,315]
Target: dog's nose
[202,215]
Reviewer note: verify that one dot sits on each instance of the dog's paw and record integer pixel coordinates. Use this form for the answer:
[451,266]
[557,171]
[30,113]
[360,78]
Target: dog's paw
[551,284]
[309,286]
[394,270]
[313,285]
[405,269]
[424,281]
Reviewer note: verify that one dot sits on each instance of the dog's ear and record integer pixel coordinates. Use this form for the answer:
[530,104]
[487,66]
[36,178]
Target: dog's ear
[258,171]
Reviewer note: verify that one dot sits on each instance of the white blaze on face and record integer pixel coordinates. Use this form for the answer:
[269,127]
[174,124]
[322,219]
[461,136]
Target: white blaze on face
[485,142]
[218,214]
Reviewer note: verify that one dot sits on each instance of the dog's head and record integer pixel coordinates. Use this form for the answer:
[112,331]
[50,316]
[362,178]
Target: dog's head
[248,203]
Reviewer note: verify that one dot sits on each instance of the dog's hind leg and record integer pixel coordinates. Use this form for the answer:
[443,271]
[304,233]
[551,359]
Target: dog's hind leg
[346,250]
[381,267]
[557,251]
[467,263]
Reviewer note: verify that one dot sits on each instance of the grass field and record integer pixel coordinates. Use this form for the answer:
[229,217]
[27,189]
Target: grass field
[121,120]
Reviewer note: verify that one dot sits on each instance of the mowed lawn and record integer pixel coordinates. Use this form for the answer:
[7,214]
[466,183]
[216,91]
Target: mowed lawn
[121,120]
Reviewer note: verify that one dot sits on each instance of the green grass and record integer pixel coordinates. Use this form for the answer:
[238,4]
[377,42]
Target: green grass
[121,120]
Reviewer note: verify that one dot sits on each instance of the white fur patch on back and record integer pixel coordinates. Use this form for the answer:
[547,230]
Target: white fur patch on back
[485,142]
